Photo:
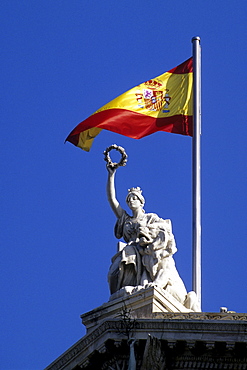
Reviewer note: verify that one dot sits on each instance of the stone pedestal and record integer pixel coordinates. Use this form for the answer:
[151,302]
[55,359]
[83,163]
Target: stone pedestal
[142,304]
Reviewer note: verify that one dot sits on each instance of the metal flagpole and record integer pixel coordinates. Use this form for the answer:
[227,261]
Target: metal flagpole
[196,160]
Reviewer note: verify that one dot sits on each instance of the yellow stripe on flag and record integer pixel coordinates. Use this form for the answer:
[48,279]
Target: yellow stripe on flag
[175,92]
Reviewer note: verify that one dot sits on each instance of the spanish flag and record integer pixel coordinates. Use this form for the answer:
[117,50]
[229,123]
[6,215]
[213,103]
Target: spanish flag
[164,103]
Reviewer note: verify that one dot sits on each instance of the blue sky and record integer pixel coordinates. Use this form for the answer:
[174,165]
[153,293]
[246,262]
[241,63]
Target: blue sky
[61,61]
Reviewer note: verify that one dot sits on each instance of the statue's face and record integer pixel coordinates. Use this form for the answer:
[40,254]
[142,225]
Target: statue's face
[134,202]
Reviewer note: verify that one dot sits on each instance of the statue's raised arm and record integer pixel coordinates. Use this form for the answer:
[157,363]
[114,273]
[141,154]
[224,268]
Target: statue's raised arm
[110,188]
[111,192]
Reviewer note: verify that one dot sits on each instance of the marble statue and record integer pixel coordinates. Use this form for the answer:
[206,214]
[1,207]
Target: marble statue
[147,257]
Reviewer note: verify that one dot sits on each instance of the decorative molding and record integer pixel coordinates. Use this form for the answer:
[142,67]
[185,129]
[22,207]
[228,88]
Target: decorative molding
[210,345]
[171,343]
[206,362]
[201,316]
[230,346]
[102,349]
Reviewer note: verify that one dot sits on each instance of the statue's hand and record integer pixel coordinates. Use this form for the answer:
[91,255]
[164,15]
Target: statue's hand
[110,169]
[144,235]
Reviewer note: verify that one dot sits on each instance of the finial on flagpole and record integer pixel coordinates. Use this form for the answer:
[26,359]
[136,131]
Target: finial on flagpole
[196,38]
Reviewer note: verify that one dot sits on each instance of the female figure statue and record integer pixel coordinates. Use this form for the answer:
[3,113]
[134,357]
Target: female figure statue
[147,258]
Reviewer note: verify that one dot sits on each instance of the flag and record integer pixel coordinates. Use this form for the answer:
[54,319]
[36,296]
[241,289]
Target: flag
[164,103]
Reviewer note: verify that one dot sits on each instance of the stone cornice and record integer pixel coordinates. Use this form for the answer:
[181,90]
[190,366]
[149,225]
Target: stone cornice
[191,327]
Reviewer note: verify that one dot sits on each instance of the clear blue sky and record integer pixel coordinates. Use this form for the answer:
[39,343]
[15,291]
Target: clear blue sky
[61,61]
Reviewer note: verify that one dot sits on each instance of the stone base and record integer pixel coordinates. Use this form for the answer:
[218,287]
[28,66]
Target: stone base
[142,305]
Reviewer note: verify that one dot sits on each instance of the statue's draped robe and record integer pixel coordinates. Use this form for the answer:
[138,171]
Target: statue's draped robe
[147,257]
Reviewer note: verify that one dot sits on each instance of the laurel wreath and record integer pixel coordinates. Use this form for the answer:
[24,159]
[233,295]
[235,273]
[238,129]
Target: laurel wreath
[123,159]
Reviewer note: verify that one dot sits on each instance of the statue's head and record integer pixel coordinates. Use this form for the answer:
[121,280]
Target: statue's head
[135,193]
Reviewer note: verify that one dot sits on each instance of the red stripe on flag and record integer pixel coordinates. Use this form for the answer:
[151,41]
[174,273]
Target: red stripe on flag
[133,124]
[185,67]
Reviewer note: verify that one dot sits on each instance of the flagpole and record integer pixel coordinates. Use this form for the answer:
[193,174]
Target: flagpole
[196,160]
